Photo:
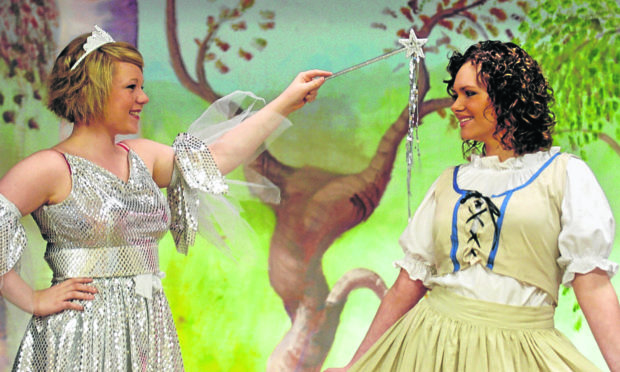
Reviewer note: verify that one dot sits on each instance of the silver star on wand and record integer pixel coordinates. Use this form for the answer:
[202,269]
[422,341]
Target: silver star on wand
[413,45]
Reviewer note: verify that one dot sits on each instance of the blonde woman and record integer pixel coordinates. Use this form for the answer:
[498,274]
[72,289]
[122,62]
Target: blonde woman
[99,206]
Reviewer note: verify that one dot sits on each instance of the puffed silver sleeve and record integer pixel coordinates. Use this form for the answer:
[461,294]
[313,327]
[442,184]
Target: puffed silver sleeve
[12,236]
[200,198]
[195,172]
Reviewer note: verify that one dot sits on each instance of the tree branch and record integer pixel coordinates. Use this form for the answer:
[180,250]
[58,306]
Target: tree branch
[601,135]
[433,105]
[203,90]
[200,63]
[610,141]
[446,13]
[354,279]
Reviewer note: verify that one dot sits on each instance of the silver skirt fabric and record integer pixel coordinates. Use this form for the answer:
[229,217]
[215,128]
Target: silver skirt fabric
[119,330]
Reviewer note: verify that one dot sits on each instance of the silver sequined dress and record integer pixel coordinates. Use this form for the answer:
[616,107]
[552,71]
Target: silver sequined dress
[109,229]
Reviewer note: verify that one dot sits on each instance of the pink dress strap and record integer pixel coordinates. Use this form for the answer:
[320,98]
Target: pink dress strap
[123,146]
[65,158]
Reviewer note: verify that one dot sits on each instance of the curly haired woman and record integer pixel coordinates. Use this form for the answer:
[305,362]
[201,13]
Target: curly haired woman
[494,238]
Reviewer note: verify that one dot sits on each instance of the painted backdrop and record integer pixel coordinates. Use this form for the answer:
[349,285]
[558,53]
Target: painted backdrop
[303,294]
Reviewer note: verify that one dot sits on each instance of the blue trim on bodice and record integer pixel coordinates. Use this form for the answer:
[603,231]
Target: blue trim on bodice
[507,195]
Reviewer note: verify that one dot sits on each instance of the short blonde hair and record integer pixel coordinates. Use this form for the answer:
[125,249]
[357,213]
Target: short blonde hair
[80,95]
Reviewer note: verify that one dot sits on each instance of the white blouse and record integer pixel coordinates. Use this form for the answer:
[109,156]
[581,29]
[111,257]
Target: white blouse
[585,241]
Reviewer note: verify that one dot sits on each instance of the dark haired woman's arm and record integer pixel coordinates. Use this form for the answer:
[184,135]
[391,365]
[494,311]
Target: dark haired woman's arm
[399,299]
[599,303]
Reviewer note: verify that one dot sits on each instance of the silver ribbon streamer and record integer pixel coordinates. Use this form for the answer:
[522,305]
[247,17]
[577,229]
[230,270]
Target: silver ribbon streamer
[413,45]
[413,48]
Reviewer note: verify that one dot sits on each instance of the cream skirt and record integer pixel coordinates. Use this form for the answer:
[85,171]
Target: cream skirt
[447,332]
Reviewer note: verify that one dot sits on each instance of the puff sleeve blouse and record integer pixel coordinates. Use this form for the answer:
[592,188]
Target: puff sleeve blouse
[585,240]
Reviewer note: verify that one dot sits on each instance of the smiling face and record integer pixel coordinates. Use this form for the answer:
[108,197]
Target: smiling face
[126,99]
[473,108]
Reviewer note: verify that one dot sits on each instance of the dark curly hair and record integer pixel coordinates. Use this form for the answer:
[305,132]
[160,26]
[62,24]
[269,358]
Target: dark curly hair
[518,91]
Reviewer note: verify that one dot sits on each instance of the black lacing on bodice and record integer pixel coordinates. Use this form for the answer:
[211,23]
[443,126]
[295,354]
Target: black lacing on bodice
[491,208]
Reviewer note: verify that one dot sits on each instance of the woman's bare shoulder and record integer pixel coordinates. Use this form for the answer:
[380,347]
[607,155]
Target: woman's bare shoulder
[148,149]
[43,163]
[159,158]
[36,180]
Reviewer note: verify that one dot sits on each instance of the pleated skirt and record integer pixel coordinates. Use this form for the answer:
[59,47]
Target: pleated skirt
[446,332]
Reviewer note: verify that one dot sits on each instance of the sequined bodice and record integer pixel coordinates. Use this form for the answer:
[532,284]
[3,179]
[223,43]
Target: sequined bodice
[105,227]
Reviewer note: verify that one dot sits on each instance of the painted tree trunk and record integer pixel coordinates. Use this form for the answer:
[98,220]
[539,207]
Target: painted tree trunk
[318,206]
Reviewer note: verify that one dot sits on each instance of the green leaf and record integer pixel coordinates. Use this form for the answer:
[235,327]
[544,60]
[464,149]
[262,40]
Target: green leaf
[577,325]
[594,53]
[595,23]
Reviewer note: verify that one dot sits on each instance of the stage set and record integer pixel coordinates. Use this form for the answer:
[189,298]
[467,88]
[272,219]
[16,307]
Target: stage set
[300,293]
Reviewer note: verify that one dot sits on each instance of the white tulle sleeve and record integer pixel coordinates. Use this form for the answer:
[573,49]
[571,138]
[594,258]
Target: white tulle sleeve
[417,240]
[12,236]
[200,198]
[588,226]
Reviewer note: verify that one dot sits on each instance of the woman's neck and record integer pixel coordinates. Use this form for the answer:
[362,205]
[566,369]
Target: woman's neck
[499,151]
[90,139]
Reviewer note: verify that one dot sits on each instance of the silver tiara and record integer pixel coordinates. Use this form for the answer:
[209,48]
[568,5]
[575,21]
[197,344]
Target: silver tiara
[96,39]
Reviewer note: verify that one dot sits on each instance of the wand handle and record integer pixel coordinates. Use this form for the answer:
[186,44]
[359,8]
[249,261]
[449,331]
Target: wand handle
[366,63]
